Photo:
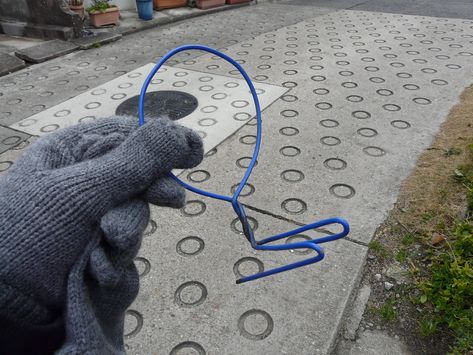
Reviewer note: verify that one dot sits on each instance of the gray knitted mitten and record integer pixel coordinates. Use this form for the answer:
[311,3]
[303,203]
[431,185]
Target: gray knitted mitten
[72,213]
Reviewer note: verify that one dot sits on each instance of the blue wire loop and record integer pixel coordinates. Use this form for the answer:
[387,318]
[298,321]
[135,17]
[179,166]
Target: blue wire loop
[237,206]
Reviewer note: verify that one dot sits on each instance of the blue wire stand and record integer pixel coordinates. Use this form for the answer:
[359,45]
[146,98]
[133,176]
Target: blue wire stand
[264,244]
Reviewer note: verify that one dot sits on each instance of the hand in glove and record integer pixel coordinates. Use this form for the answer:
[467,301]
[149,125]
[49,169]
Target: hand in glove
[72,213]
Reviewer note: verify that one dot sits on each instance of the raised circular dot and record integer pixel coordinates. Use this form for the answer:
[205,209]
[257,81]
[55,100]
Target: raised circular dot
[289,84]
[27,122]
[294,206]
[374,151]
[323,105]
[354,98]
[299,238]
[190,294]
[367,132]
[14,101]
[208,109]
[342,191]
[453,66]
[188,348]
[384,92]
[247,266]
[362,115]
[179,84]
[236,225]
[439,82]
[206,88]
[244,162]
[46,93]
[377,80]
[190,246]
[321,91]
[330,140]
[349,85]
[290,151]
[207,122]
[255,324]
[404,75]
[86,119]
[150,228]
[205,79]
[198,176]
[400,124]
[241,116]
[247,190]
[391,107]
[289,131]
[421,101]
[193,208]
[119,96]
[136,75]
[93,105]
[5,165]
[292,175]
[240,103]
[318,78]
[289,113]
[133,323]
[143,266]
[12,140]
[248,139]
[335,164]
[329,123]
[231,85]
[219,96]
[49,128]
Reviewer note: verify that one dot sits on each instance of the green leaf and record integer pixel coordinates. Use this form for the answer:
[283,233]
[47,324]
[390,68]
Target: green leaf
[423,298]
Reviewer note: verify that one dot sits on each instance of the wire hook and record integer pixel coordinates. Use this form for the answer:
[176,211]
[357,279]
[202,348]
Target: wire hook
[237,206]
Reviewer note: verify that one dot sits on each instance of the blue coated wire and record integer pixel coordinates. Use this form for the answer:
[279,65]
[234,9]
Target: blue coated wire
[237,206]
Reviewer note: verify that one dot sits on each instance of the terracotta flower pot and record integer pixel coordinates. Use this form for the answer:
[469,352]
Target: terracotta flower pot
[79,9]
[232,2]
[207,4]
[168,4]
[110,16]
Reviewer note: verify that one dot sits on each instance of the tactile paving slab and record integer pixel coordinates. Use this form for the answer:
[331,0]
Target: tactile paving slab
[368,93]
[225,104]
[189,302]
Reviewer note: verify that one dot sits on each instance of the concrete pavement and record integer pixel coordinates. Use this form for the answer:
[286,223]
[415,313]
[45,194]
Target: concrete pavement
[367,93]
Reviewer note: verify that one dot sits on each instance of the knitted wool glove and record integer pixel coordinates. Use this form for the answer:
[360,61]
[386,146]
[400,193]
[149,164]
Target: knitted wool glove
[72,213]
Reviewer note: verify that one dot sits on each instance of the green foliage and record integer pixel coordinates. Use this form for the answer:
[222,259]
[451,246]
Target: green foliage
[450,288]
[378,248]
[401,256]
[387,311]
[99,5]
[408,240]
[428,326]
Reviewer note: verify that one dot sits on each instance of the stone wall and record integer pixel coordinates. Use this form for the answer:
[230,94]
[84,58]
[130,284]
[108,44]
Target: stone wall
[39,18]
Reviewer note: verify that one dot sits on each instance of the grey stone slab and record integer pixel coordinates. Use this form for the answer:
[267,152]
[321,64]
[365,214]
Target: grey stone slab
[297,312]
[10,138]
[46,51]
[369,92]
[10,63]
[48,84]
[96,39]
[6,49]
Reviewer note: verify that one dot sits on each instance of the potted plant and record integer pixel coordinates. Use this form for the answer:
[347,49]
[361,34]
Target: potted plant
[207,4]
[78,7]
[145,9]
[168,4]
[231,2]
[102,13]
